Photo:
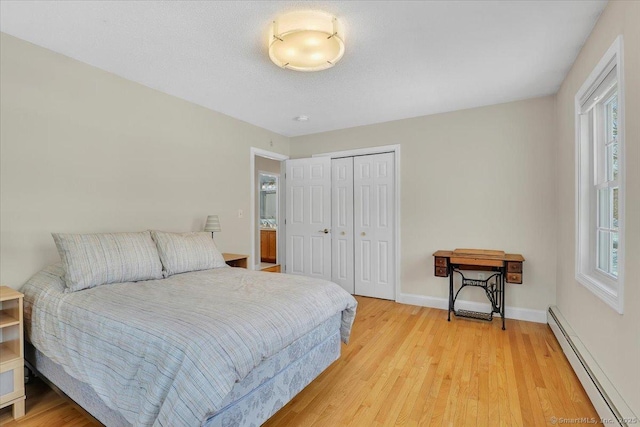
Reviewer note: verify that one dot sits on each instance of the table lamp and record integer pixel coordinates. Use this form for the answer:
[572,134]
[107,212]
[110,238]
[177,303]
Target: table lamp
[213,224]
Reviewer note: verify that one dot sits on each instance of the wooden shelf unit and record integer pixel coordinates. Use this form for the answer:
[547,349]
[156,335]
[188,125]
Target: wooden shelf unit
[11,351]
[7,320]
[8,353]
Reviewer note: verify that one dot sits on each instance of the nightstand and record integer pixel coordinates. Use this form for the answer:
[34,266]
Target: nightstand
[235,260]
[11,351]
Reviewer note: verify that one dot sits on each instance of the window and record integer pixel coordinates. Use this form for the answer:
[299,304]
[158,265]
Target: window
[607,185]
[600,179]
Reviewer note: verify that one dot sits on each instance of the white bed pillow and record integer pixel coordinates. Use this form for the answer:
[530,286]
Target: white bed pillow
[183,252]
[96,259]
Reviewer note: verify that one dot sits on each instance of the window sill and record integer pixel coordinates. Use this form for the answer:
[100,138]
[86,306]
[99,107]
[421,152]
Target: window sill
[602,290]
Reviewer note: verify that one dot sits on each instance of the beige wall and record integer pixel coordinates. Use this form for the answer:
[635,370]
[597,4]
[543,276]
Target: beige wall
[613,339]
[478,178]
[262,164]
[87,151]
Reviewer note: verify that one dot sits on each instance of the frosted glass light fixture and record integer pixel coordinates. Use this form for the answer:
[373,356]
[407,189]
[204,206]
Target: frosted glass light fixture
[212,225]
[306,41]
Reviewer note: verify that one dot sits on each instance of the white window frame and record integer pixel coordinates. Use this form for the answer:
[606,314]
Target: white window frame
[607,287]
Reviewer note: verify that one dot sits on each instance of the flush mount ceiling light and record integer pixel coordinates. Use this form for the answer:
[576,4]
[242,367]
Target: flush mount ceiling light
[306,41]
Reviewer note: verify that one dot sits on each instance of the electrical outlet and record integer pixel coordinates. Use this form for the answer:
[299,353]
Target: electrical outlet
[480,276]
[240,213]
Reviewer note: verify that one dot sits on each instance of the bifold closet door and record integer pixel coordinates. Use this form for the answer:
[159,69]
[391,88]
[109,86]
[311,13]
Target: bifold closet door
[374,212]
[342,223]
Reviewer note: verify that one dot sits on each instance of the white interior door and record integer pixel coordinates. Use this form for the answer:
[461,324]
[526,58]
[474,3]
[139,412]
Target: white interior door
[308,217]
[374,210]
[342,223]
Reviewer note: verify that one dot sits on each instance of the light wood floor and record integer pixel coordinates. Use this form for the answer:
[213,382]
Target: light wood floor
[407,365]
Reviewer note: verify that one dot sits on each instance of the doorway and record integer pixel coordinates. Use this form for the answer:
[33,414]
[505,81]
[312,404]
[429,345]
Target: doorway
[269,196]
[266,208]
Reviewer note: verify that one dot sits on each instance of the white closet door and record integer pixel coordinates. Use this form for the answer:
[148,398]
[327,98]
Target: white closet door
[374,225]
[342,223]
[308,217]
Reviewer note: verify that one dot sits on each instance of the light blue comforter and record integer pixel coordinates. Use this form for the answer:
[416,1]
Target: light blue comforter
[167,352]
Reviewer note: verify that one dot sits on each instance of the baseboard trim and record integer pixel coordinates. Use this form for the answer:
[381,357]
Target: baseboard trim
[530,315]
[605,398]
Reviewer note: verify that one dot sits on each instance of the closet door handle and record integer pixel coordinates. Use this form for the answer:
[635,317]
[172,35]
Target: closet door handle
[363,234]
[325,231]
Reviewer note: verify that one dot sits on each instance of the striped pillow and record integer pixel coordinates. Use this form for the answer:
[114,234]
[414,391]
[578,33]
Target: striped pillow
[96,259]
[182,252]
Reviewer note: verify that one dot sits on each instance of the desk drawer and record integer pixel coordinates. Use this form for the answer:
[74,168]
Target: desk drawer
[441,271]
[514,277]
[440,262]
[514,267]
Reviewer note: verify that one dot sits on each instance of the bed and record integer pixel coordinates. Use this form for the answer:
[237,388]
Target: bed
[216,347]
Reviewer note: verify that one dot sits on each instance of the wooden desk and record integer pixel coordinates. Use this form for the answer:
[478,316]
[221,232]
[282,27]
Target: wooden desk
[502,267]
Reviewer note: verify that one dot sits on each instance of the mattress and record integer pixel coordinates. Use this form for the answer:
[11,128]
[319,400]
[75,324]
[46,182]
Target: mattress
[169,352]
[285,357]
[251,401]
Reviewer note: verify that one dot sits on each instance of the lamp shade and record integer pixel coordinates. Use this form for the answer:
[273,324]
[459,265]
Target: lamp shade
[213,224]
[306,41]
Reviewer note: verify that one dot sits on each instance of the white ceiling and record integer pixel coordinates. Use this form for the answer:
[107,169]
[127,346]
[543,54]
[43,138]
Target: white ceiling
[402,59]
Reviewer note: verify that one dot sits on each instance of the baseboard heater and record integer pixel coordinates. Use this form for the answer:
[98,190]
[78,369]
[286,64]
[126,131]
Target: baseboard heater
[607,401]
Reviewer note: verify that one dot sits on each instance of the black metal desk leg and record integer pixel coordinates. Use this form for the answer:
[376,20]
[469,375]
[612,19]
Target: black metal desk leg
[450,270]
[502,300]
